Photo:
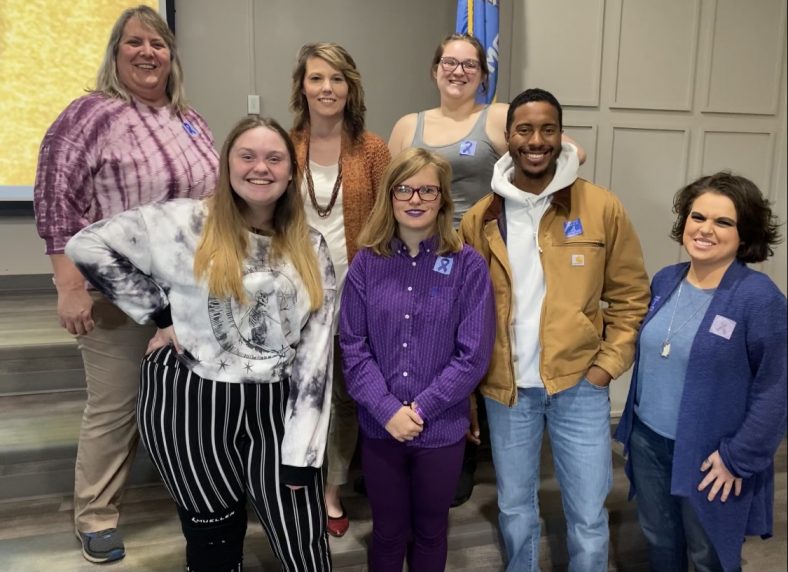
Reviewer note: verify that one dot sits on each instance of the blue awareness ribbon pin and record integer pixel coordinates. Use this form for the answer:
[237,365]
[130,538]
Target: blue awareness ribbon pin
[190,129]
[443,265]
[573,228]
[468,147]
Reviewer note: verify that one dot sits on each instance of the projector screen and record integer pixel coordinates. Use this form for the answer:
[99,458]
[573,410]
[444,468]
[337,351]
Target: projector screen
[50,51]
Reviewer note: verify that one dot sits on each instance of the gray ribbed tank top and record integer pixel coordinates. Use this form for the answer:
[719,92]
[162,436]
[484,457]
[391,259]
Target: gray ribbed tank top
[472,159]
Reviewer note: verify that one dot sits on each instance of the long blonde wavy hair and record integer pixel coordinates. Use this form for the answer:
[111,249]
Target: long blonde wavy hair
[224,243]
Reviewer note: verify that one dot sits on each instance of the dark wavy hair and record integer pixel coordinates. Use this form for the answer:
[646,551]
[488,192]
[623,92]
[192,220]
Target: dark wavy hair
[757,225]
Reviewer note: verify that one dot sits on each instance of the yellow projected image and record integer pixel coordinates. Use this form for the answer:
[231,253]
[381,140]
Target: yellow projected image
[50,51]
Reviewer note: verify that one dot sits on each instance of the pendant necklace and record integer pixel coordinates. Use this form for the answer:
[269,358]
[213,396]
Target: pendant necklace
[322,212]
[665,350]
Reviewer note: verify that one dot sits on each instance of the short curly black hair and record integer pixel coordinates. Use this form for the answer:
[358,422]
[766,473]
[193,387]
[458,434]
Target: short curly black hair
[758,227]
[534,94]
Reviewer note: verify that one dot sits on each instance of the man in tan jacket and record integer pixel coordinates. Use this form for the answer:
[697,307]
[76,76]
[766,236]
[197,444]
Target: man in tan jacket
[571,291]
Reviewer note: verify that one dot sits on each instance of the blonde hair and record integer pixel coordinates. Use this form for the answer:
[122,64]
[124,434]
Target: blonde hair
[337,57]
[223,248]
[381,225]
[107,80]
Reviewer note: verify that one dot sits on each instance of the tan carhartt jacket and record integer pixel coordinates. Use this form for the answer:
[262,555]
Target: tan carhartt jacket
[603,264]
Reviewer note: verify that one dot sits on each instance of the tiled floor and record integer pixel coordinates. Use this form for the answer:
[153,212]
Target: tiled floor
[36,535]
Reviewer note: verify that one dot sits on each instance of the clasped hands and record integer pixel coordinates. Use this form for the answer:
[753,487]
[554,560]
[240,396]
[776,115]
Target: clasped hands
[406,424]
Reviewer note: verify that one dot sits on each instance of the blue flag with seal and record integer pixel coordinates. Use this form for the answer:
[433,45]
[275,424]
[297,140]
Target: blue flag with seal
[479,18]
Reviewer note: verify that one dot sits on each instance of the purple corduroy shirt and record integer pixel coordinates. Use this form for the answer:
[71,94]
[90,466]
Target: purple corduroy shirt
[416,329]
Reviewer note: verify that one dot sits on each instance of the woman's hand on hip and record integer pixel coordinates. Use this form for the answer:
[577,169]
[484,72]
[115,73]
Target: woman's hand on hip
[719,477]
[75,310]
[405,425]
[163,337]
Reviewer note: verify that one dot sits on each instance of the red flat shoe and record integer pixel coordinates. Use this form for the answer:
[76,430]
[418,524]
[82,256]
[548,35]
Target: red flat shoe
[337,525]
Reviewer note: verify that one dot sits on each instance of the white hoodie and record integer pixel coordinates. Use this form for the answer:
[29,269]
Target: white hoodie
[523,213]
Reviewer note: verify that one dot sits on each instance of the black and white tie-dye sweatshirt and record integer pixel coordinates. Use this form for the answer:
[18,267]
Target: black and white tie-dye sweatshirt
[142,260]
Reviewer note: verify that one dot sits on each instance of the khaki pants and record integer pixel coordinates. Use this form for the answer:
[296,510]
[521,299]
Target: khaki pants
[111,354]
[343,428]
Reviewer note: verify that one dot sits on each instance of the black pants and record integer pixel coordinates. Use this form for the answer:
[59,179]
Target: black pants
[213,443]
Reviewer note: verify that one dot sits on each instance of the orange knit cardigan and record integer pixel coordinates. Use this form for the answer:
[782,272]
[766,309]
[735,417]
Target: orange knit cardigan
[363,165]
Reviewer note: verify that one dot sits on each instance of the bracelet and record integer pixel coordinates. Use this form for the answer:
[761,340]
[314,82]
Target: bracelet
[418,411]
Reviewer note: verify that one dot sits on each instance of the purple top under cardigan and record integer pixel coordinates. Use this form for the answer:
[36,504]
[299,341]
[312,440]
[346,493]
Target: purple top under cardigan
[416,329]
[734,401]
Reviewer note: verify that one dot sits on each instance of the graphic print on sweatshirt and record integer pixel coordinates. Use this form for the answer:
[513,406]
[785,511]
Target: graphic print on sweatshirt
[261,327]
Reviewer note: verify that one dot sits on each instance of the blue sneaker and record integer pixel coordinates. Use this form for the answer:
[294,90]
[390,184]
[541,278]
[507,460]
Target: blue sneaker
[102,546]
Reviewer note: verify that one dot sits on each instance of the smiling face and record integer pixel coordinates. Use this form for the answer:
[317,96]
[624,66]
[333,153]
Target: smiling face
[260,171]
[458,83]
[711,237]
[325,88]
[534,140]
[416,216]
[143,61]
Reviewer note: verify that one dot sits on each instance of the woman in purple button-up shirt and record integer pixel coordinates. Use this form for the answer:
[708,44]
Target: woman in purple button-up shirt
[417,325]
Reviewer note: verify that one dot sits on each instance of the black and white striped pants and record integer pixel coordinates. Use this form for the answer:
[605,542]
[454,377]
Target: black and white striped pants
[212,443]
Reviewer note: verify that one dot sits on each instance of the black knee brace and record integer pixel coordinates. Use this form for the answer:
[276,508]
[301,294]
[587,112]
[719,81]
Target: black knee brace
[214,541]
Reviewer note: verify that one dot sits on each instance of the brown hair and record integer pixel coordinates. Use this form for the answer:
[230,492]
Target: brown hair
[381,225]
[224,242]
[337,57]
[472,40]
[758,227]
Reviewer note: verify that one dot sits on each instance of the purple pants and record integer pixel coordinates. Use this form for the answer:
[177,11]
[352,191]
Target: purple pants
[410,490]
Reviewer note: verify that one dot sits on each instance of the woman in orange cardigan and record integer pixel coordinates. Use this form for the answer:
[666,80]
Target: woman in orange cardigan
[342,166]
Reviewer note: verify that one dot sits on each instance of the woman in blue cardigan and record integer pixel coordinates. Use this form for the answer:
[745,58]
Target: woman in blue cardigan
[706,409]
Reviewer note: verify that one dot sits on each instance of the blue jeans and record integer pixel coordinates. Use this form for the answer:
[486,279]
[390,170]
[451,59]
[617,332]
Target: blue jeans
[669,523]
[578,423]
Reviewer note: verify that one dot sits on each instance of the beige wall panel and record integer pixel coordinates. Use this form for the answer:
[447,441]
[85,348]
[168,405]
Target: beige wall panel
[214,41]
[747,53]
[656,52]
[391,42]
[648,167]
[586,137]
[22,248]
[746,154]
[544,56]
[777,266]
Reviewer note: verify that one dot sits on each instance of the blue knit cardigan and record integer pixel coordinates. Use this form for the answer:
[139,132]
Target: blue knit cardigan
[734,401]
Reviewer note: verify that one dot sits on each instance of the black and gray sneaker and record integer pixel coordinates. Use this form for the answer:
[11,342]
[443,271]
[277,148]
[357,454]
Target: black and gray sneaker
[102,546]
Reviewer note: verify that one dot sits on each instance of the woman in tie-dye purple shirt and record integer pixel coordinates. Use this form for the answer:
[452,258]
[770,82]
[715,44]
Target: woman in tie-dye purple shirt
[133,140]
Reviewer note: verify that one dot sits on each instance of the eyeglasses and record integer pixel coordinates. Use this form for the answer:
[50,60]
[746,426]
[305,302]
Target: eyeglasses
[450,64]
[405,192]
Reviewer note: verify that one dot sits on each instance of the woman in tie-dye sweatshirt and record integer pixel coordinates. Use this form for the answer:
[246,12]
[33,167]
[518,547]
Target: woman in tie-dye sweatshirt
[235,393]
[132,141]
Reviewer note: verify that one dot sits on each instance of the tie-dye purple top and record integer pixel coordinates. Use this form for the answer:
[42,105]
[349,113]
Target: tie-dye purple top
[103,156]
